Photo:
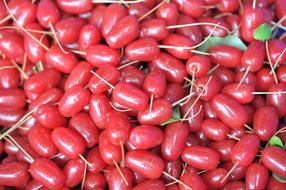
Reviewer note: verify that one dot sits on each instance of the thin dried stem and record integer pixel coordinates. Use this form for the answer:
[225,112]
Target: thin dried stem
[21,148]
[198,24]
[120,172]
[86,86]
[199,52]
[197,99]
[29,30]
[125,4]
[98,76]
[23,29]
[269,59]
[282,130]
[181,100]
[25,62]
[55,156]
[171,183]
[84,176]
[184,168]
[233,137]
[201,172]
[191,108]
[56,38]
[119,2]
[121,51]
[42,37]
[24,128]
[248,127]
[151,103]
[243,77]
[141,67]
[23,74]
[24,77]
[7,67]
[85,161]
[152,10]
[278,59]
[265,93]
[213,69]
[254,4]
[278,24]
[127,64]
[206,39]
[18,124]
[186,84]
[282,36]
[120,110]
[193,116]
[230,171]
[40,66]
[8,17]
[175,47]
[122,163]
[78,52]
[193,81]
[183,48]
[178,181]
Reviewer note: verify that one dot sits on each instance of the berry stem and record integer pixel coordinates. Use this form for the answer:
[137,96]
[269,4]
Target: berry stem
[266,93]
[278,59]
[22,28]
[254,4]
[29,30]
[269,59]
[151,103]
[181,100]
[233,137]
[243,77]
[197,99]
[56,38]
[120,172]
[213,69]
[78,52]
[23,74]
[206,39]
[97,75]
[248,127]
[84,176]
[178,181]
[7,67]
[21,148]
[8,17]
[193,115]
[152,10]
[230,171]
[120,110]
[127,64]
[119,2]
[22,120]
[85,161]
[122,163]
[198,24]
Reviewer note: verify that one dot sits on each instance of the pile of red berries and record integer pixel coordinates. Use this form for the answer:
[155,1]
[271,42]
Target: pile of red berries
[143,94]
